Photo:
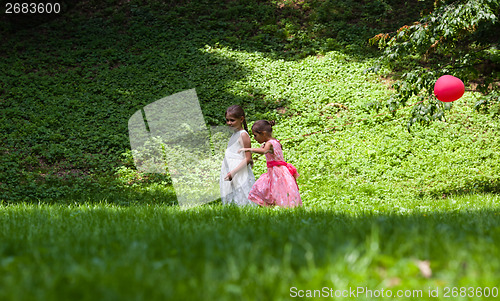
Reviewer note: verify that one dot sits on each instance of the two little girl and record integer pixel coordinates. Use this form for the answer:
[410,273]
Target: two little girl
[277,187]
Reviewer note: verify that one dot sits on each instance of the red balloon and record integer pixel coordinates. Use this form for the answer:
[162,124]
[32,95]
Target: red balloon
[449,88]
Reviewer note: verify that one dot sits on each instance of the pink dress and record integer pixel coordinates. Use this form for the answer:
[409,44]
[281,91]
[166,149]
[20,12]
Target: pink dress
[277,187]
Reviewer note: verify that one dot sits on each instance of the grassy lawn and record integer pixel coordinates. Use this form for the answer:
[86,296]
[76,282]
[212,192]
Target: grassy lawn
[212,252]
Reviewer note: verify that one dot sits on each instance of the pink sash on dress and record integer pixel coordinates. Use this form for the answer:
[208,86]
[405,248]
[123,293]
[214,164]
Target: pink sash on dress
[290,167]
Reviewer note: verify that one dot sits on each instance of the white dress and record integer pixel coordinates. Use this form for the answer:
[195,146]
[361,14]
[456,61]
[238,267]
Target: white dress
[236,191]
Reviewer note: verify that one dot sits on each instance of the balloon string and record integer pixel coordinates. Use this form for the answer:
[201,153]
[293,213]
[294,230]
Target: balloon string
[349,123]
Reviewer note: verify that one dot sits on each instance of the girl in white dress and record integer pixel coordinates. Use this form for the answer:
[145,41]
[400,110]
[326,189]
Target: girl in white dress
[236,177]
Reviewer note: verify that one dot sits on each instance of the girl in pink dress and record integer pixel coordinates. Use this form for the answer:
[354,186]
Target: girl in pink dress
[277,187]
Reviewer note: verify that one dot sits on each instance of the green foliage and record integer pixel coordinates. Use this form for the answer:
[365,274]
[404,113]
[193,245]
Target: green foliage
[457,38]
[69,86]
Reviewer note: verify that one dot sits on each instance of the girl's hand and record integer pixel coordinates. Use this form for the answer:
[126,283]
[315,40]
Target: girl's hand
[243,150]
[228,177]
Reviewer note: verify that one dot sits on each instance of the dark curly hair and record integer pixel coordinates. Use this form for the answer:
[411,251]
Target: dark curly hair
[263,126]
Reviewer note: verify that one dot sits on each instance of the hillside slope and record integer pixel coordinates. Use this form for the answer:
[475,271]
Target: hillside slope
[69,85]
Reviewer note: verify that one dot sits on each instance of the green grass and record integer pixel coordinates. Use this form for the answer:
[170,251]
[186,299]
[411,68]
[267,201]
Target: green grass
[108,252]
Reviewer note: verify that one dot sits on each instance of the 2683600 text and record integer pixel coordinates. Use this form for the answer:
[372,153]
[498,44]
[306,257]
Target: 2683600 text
[32,8]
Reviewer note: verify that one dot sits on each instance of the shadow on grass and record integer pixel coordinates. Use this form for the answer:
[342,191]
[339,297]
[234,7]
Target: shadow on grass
[294,240]
[227,253]
[319,238]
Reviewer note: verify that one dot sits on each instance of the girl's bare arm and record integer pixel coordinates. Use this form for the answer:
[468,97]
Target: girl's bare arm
[268,148]
[247,143]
